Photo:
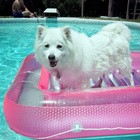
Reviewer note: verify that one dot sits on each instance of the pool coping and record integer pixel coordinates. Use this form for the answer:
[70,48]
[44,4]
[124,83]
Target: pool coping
[66,20]
[60,19]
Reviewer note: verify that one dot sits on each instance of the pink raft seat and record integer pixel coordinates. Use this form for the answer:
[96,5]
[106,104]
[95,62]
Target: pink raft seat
[40,113]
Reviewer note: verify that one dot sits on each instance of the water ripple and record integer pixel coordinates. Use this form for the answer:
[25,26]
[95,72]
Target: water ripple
[17,41]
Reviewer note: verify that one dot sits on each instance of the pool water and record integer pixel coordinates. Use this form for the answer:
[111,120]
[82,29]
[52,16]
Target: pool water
[16,42]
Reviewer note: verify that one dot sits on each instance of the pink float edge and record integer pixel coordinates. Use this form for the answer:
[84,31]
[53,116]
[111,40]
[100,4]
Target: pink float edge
[47,122]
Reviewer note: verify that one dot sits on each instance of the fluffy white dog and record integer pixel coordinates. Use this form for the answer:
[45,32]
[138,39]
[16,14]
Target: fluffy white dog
[77,57]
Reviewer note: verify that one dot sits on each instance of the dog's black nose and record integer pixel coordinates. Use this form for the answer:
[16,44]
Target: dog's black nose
[51,57]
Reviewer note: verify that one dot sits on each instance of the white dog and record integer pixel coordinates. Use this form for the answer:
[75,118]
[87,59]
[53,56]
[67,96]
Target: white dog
[77,57]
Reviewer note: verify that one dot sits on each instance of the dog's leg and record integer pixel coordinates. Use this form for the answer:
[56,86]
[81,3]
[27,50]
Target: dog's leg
[55,83]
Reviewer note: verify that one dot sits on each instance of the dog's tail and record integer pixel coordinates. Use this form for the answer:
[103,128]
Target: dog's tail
[118,28]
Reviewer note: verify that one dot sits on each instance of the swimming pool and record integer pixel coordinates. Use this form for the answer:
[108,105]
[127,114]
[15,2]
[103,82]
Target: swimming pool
[17,41]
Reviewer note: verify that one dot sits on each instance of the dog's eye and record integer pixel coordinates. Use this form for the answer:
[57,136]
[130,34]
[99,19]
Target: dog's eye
[59,46]
[47,46]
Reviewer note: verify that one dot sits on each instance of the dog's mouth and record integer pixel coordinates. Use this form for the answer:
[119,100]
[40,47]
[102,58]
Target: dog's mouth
[53,63]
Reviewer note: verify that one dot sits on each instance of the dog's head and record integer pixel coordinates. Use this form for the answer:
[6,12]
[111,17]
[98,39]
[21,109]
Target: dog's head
[51,46]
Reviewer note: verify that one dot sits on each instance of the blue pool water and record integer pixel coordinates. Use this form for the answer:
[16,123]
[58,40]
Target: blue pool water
[17,41]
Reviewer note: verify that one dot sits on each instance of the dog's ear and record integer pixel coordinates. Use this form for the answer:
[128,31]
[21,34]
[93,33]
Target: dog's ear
[40,31]
[67,32]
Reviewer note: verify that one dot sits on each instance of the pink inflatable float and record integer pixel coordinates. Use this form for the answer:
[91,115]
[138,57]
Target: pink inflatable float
[37,110]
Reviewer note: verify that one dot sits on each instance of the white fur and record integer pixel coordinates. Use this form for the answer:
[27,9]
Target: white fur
[82,57]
